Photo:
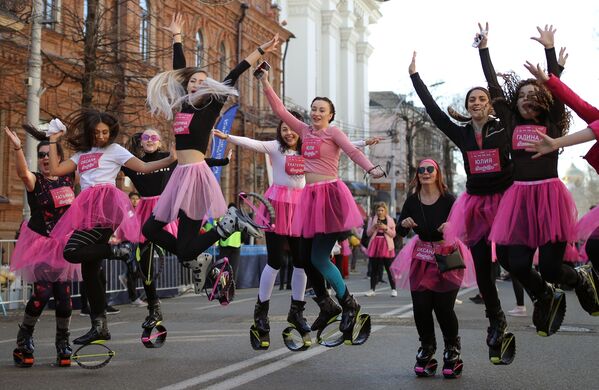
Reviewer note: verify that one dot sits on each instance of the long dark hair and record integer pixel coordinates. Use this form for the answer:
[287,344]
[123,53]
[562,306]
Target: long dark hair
[82,127]
[283,147]
[43,138]
[134,145]
[549,112]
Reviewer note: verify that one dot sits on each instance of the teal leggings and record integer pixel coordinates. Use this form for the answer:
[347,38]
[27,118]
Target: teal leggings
[320,248]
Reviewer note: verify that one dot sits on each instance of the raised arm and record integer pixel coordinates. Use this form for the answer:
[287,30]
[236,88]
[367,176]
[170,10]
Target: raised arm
[23,171]
[251,60]
[584,110]
[279,108]
[175,29]
[438,116]
[58,168]
[547,39]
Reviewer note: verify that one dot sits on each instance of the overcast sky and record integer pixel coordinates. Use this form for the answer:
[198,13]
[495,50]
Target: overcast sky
[442,33]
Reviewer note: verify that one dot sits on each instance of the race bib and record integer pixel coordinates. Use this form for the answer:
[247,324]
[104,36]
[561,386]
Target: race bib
[424,251]
[311,148]
[88,161]
[484,161]
[181,123]
[294,165]
[525,134]
[62,196]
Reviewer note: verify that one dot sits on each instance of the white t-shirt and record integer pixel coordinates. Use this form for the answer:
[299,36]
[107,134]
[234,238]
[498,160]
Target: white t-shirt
[100,165]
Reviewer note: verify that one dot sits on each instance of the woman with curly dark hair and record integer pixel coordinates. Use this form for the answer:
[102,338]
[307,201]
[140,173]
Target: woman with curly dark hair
[537,211]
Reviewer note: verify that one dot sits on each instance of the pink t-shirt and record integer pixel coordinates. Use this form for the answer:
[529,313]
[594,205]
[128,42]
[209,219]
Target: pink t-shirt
[321,148]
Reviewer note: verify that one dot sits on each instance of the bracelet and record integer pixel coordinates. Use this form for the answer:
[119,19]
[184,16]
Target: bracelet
[19,148]
[175,34]
[260,50]
[53,142]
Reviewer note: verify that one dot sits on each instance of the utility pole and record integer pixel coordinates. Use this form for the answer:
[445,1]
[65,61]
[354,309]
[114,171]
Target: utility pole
[34,90]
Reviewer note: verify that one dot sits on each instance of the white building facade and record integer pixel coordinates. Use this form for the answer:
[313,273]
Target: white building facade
[329,57]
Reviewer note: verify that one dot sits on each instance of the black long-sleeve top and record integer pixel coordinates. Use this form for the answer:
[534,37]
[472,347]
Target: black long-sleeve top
[495,137]
[525,168]
[153,183]
[206,113]
[427,217]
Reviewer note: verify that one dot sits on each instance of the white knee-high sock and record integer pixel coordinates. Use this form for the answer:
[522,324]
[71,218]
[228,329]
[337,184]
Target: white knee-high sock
[267,282]
[298,283]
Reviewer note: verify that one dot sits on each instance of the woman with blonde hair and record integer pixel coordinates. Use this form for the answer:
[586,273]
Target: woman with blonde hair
[381,250]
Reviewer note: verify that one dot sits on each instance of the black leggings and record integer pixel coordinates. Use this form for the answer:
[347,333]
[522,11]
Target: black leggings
[90,247]
[377,264]
[486,272]
[146,267]
[442,303]
[518,292]
[551,267]
[592,250]
[43,291]
[188,244]
[276,246]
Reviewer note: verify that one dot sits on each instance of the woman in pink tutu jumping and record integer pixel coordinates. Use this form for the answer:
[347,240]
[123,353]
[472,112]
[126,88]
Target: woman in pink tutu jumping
[101,208]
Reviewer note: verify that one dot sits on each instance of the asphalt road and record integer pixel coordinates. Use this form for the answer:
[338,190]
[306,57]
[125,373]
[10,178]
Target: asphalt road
[208,348]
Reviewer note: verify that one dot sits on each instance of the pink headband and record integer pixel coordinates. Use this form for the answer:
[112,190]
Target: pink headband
[430,161]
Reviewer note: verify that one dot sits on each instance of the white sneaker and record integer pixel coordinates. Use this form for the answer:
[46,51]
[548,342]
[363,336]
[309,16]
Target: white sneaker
[458,301]
[370,293]
[393,293]
[139,303]
[518,311]
[235,221]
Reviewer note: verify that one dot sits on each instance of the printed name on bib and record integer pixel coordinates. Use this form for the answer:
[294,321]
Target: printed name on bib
[311,148]
[181,123]
[62,196]
[484,161]
[294,165]
[525,134]
[424,251]
[88,161]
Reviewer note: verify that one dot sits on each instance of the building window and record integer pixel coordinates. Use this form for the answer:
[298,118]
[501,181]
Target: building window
[144,30]
[50,13]
[223,61]
[199,49]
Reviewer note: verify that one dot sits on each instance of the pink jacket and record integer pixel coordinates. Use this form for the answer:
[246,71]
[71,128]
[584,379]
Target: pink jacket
[389,234]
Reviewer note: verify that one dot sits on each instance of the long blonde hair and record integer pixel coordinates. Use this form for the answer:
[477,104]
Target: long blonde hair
[166,93]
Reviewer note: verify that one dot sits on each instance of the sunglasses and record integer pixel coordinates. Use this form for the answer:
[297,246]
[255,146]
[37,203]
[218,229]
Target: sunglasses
[43,154]
[153,137]
[429,169]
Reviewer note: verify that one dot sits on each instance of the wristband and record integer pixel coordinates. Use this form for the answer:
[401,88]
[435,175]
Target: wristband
[260,50]
[174,35]
[19,148]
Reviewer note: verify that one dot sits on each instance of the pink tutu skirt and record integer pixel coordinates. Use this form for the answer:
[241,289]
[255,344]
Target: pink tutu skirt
[283,200]
[144,210]
[326,207]
[378,248]
[535,213]
[588,226]
[471,218]
[414,274]
[39,258]
[193,189]
[102,205]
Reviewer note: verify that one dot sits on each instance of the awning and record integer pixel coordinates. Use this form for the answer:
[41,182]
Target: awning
[360,189]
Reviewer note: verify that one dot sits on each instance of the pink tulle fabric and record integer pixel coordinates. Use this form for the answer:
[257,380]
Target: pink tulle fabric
[144,210]
[326,207]
[102,205]
[39,258]
[378,248]
[193,189]
[417,275]
[284,200]
[588,226]
[535,213]
[471,218]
